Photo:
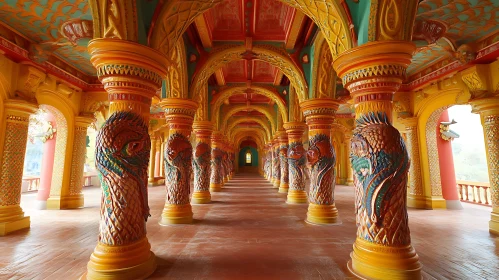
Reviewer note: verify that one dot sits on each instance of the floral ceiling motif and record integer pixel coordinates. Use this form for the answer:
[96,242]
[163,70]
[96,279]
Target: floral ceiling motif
[40,21]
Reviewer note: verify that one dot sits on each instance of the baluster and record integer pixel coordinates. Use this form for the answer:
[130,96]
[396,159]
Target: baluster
[479,193]
[467,192]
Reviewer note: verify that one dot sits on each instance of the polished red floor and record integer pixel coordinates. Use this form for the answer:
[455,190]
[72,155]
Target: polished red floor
[248,232]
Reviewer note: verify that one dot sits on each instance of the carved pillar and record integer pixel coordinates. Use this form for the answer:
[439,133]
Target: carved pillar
[415,197]
[372,73]
[283,161]
[152,160]
[271,163]
[131,74]
[319,114]
[178,160]
[202,162]
[74,199]
[296,163]
[15,135]
[348,139]
[488,108]
[276,163]
[216,180]
[162,159]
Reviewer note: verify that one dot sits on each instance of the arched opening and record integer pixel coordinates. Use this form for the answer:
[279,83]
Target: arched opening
[248,156]
[468,155]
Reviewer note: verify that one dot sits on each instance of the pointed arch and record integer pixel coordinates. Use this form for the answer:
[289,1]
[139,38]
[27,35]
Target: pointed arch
[240,108]
[228,92]
[237,121]
[278,58]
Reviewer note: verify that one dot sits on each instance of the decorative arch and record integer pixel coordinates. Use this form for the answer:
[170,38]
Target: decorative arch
[226,93]
[177,79]
[244,132]
[323,75]
[176,15]
[428,113]
[260,121]
[240,108]
[64,112]
[279,58]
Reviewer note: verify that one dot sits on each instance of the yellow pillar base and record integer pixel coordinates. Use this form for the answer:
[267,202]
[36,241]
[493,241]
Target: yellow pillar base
[296,197]
[414,201]
[283,188]
[134,261]
[435,202]
[215,187]
[12,219]
[176,214]
[322,214]
[494,221]
[201,197]
[65,202]
[276,183]
[373,261]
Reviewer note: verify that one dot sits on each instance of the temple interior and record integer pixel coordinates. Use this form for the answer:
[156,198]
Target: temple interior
[249,139]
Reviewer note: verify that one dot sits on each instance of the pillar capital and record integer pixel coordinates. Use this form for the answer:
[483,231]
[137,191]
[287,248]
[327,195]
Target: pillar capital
[84,122]
[130,72]
[409,123]
[179,113]
[485,106]
[19,110]
[373,72]
[319,111]
[375,68]
[295,128]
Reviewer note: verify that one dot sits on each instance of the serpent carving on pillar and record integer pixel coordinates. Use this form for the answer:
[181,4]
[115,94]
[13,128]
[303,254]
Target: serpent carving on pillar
[296,162]
[122,156]
[276,166]
[283,156]
[380,161]
[178,169]
[321,160]
[216,166]
[201,164]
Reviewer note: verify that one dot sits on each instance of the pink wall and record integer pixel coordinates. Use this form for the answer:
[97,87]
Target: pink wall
[47,163]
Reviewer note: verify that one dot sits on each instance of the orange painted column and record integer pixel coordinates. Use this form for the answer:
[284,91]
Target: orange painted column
[15,122]
[202,162]
[158,161]
[131,74]
[372,73]
[47,166]
[178,160]
[446,163]
[296,163]
[321,160]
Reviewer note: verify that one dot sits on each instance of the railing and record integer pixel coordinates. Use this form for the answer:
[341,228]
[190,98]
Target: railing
[87,180]
[33,184]
[474,192]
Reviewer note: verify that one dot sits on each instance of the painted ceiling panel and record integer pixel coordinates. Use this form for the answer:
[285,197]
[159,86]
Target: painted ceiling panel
[41,20]
[466,21]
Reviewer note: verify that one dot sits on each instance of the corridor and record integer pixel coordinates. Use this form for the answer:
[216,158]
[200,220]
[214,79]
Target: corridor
[247,232]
